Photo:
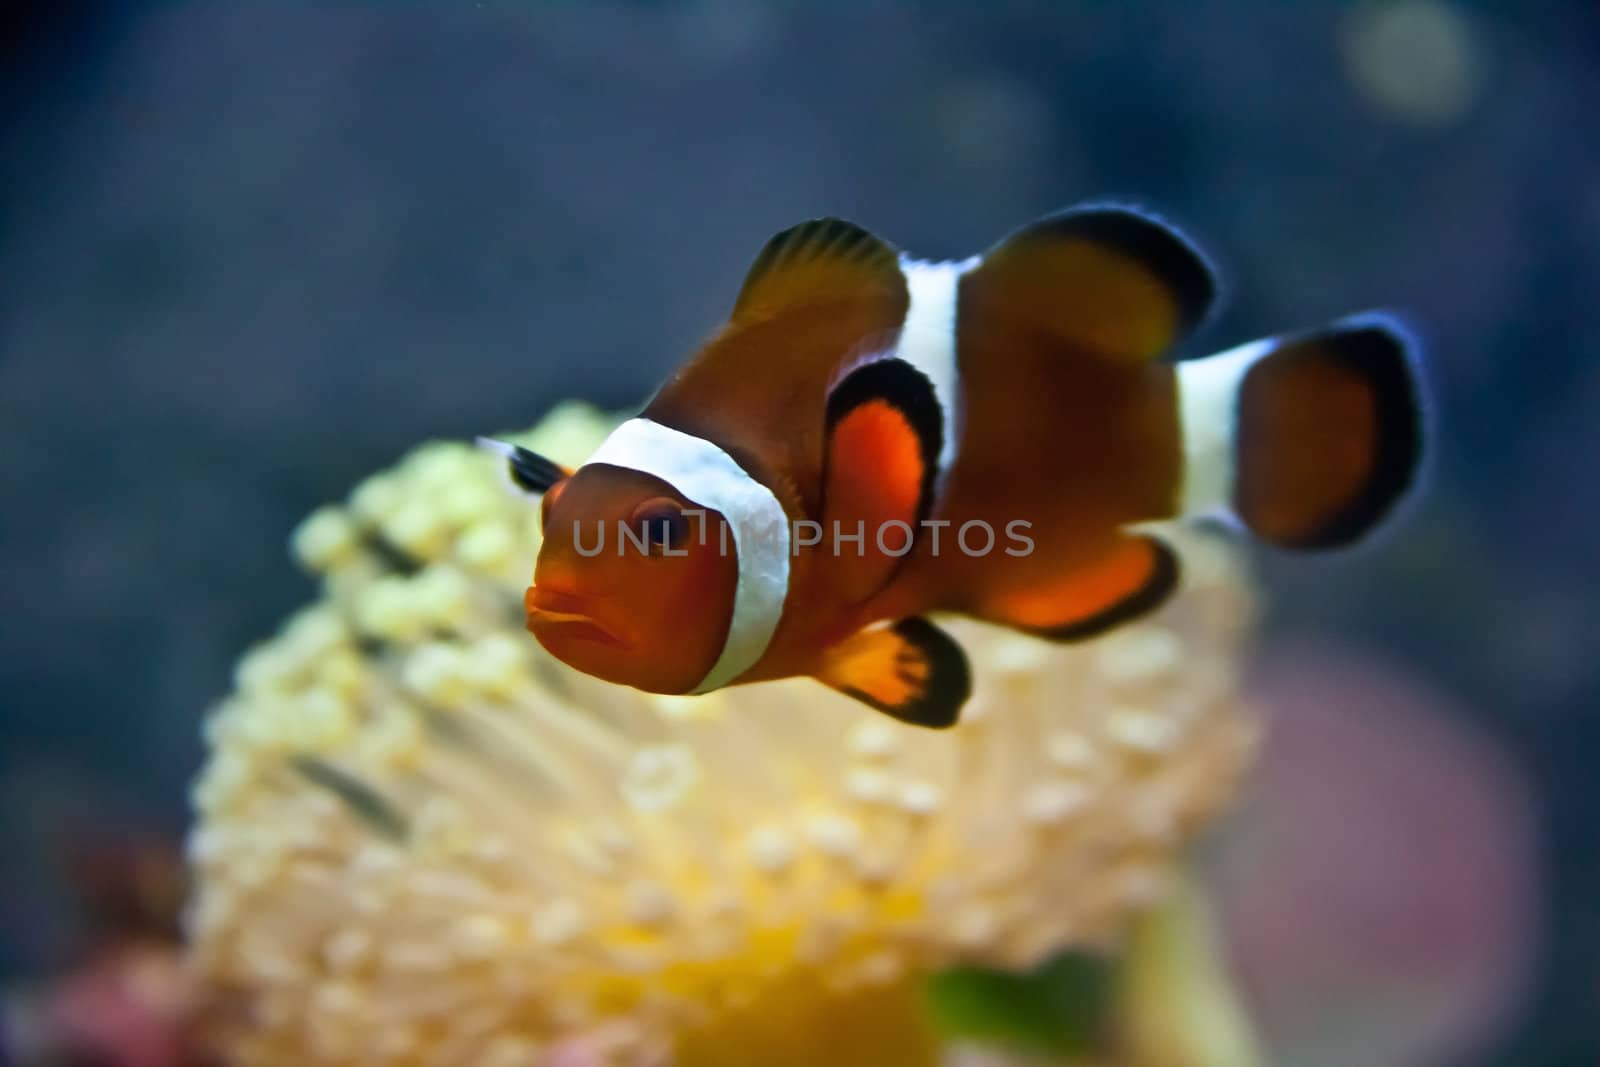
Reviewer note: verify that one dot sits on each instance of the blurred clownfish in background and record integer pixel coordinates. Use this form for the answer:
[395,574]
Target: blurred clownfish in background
[871,438]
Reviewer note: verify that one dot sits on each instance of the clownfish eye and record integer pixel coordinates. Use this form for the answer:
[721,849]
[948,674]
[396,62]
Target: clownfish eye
[661,524]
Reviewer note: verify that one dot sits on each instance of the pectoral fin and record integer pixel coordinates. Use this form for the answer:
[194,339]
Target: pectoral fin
[910,669]
[884,432]
[1133,576]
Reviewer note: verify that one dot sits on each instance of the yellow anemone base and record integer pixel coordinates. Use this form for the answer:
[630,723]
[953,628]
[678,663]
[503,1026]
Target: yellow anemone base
[800,1022]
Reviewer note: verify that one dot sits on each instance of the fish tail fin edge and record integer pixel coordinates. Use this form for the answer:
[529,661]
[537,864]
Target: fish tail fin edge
[1309,441]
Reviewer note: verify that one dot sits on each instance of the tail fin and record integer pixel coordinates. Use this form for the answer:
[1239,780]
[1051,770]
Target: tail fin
[1309,440]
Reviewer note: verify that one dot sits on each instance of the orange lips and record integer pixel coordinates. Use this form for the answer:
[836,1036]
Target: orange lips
[548,611]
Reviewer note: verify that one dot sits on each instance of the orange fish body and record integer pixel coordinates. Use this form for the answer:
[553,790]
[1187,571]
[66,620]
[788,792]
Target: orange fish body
[871,439]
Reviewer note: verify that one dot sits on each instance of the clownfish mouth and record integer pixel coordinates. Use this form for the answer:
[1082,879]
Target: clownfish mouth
[551,613]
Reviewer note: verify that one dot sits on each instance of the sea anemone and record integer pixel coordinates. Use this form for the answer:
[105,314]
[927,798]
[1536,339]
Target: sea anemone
[423,841]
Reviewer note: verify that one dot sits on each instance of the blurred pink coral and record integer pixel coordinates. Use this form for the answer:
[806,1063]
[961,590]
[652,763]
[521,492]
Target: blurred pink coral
[1381,887]
[127,1008]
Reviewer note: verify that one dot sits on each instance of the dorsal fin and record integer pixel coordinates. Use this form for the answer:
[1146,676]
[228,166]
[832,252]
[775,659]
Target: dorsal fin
[820,297]
[1102,278]
[818,262]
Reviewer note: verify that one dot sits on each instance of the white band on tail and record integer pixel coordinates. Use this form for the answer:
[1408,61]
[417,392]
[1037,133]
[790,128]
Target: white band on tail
[1208,397]
[707,475]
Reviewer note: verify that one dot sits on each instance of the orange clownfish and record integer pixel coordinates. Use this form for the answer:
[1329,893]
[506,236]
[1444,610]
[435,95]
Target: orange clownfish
[872,438]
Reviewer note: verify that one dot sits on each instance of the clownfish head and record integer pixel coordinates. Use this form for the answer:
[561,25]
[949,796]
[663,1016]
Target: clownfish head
[635,582]
[665,563]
